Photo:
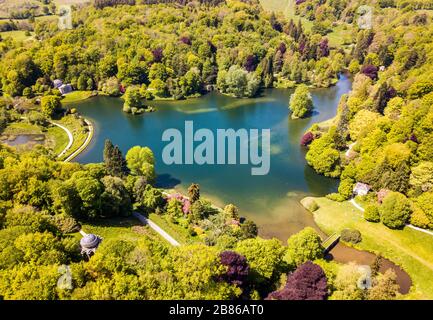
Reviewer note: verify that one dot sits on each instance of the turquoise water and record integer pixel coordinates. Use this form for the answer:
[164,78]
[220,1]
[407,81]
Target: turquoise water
[272,201]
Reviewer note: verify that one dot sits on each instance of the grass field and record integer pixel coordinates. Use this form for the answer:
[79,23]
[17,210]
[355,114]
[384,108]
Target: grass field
[57,139]
[76,96]
[340,35]
[119,228]
[17,35]
[410,249]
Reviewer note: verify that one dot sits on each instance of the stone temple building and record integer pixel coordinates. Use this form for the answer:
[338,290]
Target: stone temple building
[89,243]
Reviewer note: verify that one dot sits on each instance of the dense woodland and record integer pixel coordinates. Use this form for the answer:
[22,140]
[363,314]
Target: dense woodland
[171,50]
[388,116]
[177,49]
[42,201]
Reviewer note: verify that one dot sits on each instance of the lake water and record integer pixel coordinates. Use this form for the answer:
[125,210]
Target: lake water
[272,201]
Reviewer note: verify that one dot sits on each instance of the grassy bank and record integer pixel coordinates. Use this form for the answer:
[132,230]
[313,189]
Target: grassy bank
[410,249]
[78,130]
[77,96]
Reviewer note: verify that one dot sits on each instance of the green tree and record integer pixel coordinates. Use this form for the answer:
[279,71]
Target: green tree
[421,177]
[303,246]
[238,82]
[141,161]
[301,102]
[152,198]
[115,164]
[50,105]
[371,213]
[41,248]
[29,282]
[385,287]
[132,99]
[115,200]
[196,276]
[265,258]
[194,192]
[395,210]
[174,209]
[323,156]
[346,283]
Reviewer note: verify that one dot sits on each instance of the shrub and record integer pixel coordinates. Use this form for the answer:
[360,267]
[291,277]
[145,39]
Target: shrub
[303,246]
[371,213]
[307,138]
[335,197]
[310,204]
[30,217]
[65,223]
[395,210]
[351,236]
[419,218]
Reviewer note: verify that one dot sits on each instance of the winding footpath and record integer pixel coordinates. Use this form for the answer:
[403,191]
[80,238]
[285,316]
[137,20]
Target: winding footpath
[353,202]
[156,228]
[85,144]
[71,141]
[70,136]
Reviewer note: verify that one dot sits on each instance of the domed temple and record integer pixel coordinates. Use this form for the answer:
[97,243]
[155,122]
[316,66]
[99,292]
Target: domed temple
[89,243]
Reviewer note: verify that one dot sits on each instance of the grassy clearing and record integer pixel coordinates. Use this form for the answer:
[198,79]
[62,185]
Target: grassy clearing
[410,249]
[179,233]
[76,96]
[18,128]
[79,132]
[119,228]
[341,34]
[17,35]
[56,139]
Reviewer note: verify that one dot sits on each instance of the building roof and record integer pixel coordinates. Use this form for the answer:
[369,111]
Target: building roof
[359,186]
[90,241]
[57,83]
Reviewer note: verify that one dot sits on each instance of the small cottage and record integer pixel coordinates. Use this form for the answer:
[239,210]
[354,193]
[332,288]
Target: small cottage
[65,88]
[361,189]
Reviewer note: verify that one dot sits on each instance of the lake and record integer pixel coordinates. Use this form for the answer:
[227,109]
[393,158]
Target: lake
[272,200]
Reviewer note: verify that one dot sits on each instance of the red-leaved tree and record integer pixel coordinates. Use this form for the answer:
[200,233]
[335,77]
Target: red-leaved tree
[308,282]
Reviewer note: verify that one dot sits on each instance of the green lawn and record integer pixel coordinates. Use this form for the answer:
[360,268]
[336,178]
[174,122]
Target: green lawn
[18,128]
[78,131]
[410,249]
[339,36]
[17,35]
[76,96]
[179,233]
[119,228]
[56,139]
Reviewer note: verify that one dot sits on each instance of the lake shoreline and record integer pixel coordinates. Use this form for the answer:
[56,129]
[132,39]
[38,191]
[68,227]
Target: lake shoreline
[404,248]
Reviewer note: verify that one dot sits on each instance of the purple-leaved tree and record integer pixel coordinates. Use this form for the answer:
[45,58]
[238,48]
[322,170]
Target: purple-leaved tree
[308,282]
[237,268]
